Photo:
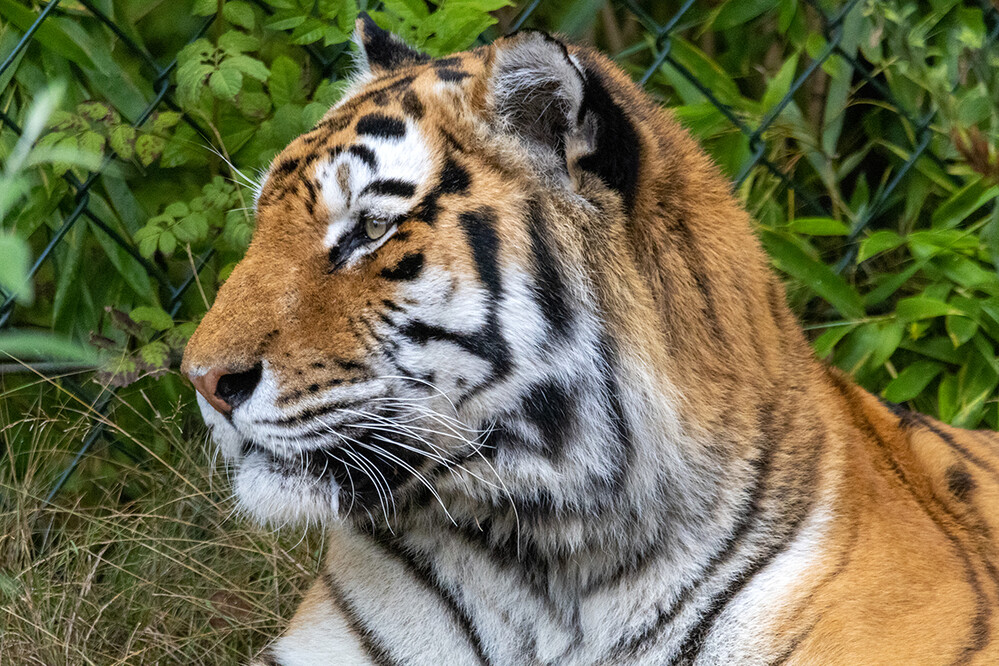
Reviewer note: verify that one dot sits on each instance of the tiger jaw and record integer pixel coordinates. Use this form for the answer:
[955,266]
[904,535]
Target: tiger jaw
[271,487]
[342,455]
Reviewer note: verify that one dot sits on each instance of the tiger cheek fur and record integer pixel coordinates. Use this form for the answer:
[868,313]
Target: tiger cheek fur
[503,325]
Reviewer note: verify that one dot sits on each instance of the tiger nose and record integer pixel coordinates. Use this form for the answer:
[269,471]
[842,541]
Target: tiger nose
[225,390]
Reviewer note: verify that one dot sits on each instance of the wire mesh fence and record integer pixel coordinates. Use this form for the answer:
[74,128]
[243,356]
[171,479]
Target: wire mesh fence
[652,51]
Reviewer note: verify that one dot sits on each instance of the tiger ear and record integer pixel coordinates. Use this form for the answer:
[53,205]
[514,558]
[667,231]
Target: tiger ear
[537,91]
[380,51]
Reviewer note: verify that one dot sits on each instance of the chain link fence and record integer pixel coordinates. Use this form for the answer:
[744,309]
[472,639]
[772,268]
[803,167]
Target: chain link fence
[657,41]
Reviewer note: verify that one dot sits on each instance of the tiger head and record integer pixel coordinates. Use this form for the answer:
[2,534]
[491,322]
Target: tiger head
[454,274]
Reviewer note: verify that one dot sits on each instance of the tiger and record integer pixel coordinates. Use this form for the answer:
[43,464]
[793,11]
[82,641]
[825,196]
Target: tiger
[504,330]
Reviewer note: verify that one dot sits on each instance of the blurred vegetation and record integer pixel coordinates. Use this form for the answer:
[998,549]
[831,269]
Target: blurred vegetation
[861,135]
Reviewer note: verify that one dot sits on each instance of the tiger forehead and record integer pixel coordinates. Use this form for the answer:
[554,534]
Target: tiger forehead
[379,109]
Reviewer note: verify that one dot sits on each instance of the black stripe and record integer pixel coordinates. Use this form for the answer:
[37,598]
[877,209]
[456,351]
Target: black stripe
[407,269]
[691,252]
[953,444]
[380,125]
[286,167]
[748,517]
[552,410]
[369,639]
[959,482]
[364,154]
[390,187]
[695,638]
[454,178]
[549,286]
[449,75]
[617,415]
[792,646]
[425,574]
[311,413]
[421,332]
[412,106]
[481,234]
[343,116]
[310,195]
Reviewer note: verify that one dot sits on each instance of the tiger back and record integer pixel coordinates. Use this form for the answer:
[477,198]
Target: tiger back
[505,331]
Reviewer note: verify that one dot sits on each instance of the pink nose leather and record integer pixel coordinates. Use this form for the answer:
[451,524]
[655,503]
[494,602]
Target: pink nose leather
[206,384]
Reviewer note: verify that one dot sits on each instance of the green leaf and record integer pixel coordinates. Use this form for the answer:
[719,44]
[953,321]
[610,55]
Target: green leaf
[176,209]
[156,317]
[178,336]
[167,243]
[411,11]
[737,12]
[878,242]
[818,226]
[14,268]
[869,346]
[249,66]
[192,228]
[122,139]
[960,329]
[923,307]
[282,22]
[226,83]
[155,353]
[976,382]
[49,34]
[40,346]
[963,203]
[234,42]
[239,13]
[911,381]
[780,85]
[163,121]
[148,148]
[285,83]
[947,397]
[148,239]
[791,259]
[825,343]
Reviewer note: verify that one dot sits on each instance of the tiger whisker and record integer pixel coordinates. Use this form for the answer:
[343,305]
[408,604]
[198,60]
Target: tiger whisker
[366,470]
[374,448]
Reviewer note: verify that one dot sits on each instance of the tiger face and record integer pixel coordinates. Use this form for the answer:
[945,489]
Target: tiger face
[401,291]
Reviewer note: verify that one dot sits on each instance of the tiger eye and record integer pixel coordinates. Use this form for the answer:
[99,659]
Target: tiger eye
[375,228]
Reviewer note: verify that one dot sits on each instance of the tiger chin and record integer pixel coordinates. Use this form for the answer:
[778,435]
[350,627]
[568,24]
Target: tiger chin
[504,328]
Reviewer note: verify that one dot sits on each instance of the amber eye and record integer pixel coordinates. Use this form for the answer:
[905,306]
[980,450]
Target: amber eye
[375,228]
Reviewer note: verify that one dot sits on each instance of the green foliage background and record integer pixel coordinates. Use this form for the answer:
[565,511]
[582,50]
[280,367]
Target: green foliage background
[861,135]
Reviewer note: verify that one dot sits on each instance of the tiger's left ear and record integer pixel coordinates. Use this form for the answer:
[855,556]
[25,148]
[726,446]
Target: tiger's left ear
[537,93]
[381,51]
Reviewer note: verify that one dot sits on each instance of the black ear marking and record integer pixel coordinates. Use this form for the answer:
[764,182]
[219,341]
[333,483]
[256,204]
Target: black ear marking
[616,149]
[381,50]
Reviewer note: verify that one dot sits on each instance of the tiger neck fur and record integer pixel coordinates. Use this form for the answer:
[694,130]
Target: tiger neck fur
[691,377]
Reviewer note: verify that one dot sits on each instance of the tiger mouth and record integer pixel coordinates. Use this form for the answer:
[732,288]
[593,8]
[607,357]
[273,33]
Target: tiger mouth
[317,463]
[364,479]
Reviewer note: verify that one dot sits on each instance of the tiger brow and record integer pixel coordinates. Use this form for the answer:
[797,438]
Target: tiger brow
[390,187]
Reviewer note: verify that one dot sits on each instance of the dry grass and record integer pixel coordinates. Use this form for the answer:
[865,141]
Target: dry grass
[139,560]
